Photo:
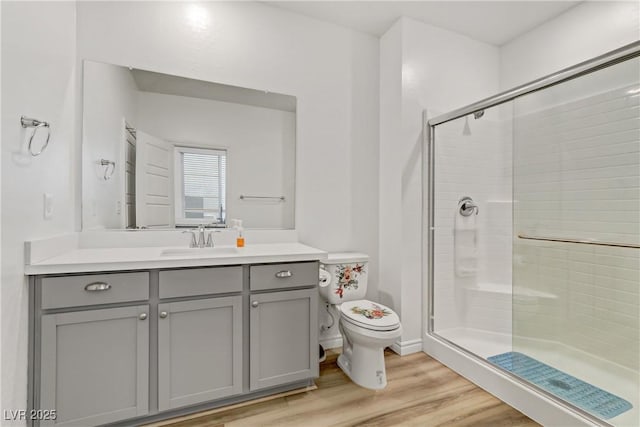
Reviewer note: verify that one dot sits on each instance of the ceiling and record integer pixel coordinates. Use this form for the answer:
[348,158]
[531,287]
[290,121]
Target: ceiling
[149,81]
[494,22]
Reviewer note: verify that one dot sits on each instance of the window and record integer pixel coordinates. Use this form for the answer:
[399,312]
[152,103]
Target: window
[200,185]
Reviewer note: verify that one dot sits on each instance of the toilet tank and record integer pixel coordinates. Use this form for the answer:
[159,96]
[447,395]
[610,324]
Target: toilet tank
[343,277]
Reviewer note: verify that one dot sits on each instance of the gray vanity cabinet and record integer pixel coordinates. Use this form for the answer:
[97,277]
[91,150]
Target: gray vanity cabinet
[131,347]
[95,365]
[283,337]
[199,351]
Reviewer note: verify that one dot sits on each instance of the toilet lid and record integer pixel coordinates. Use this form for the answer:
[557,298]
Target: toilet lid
[370,315]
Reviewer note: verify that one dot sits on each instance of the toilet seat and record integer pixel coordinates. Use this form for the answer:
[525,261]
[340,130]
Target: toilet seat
[369,315]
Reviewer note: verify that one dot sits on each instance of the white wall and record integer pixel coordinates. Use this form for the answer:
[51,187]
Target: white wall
[257,46]
[441,71]
[109,98]
[585,31]
[390,127]
[38,60]
[260,145]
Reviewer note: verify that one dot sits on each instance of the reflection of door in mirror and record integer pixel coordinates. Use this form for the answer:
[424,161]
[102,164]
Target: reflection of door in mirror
[129,176]
[154,164]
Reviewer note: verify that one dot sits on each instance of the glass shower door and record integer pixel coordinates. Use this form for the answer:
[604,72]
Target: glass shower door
[576,242]
[472,230]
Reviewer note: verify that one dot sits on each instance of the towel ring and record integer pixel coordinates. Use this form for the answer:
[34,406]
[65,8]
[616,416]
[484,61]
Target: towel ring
[26,122]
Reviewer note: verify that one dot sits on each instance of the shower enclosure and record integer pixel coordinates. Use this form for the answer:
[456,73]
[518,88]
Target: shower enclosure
[532,236]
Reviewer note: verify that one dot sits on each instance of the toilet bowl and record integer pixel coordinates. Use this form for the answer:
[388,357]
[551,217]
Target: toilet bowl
[367,327]
[364,340]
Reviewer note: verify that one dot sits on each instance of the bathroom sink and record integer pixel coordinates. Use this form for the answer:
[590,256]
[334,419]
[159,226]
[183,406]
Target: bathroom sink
[199,252]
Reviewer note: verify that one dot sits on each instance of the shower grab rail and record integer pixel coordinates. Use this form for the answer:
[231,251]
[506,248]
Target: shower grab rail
[580,241]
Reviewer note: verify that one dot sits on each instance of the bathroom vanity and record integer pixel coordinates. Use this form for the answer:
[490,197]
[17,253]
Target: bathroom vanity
[178,334]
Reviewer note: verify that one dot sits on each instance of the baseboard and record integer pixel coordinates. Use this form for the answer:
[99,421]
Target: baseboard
[400,347]
[407,347]
[331,342]
[204,417]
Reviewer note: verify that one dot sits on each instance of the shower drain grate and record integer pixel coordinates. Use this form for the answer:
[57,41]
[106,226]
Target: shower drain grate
[582,394]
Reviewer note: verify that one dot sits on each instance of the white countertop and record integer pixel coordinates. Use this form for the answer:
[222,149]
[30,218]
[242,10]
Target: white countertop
[144,258]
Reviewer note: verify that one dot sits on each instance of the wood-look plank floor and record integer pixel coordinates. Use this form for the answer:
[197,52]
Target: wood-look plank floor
[420,392]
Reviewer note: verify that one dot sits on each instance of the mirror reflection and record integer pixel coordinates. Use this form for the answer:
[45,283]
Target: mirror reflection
[162,151]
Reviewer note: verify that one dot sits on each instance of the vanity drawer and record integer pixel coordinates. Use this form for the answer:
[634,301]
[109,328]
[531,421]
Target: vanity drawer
[279,276]
[200,281]
[74,291]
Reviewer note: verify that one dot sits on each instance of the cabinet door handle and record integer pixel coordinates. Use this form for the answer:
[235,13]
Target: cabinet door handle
[163,314]
[254,304]
[97,287]
[143,316]
[284,274]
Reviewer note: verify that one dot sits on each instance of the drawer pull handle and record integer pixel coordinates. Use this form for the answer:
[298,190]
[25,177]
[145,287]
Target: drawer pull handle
[284,274]
[143,316]
[163,314]
[254,304]
[97,287]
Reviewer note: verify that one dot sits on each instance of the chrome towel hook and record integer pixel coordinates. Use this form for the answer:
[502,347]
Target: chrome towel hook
[36,124]
[109,168]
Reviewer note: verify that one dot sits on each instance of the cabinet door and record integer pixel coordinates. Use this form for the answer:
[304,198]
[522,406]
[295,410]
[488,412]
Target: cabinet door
[199,351]
[95,365]
[284,337]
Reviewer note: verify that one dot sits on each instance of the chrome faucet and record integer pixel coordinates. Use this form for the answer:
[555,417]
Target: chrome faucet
[193,243]
[201,238]
[199,241]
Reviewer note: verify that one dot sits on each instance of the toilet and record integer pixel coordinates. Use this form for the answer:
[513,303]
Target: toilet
[367,327]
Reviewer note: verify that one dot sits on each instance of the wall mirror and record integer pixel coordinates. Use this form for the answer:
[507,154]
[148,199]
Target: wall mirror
[162,151]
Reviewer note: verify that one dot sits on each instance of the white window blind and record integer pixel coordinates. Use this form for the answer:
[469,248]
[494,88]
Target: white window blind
[203,185]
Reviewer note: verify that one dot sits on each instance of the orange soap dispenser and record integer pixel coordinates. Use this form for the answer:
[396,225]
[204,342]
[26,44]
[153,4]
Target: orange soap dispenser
[240,239]
[237,224]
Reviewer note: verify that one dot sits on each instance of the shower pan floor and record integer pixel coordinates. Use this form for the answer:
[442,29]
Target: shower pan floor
[608,376]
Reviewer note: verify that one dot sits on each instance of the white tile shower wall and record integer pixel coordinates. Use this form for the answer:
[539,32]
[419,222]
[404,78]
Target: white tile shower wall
[577,168]
[576,176]
[476,165]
